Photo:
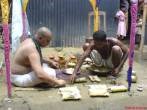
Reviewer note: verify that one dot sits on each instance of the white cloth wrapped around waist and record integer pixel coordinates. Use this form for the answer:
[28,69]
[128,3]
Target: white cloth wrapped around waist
[99,61]
[31,79]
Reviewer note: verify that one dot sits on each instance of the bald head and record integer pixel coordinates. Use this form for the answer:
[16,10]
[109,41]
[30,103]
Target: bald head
[44,32]
[43,36]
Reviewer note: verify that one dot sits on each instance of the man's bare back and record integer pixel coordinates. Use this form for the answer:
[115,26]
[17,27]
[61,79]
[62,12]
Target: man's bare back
[105,51]
[21,63]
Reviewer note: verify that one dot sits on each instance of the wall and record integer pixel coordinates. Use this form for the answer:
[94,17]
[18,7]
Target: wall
[68,19]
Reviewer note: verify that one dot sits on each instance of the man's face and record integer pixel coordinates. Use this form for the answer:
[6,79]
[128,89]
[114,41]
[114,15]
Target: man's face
[45,39]
[99,44]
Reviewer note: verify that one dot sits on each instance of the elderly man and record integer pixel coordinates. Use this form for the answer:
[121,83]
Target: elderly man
[111,51]
[28,67]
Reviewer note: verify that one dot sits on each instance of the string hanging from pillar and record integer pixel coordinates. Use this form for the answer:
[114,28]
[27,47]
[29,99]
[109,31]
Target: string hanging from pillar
[134,9]
[5,25]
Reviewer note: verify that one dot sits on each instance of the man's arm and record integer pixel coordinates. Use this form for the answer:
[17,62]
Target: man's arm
[51,63]
[80,62]
[125,54]
[37,68]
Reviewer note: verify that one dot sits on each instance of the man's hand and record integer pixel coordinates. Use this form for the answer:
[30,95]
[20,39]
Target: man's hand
[51,63]
[115,71]
[55,65]
[60,83]
[72,78]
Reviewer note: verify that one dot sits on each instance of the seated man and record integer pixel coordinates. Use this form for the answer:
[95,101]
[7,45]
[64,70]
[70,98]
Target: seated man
[112,52]
[27,66]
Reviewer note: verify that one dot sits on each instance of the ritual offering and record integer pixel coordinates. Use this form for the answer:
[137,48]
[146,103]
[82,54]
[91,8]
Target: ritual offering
[94,78]
[119,88]
[62,61]
[88,61]
[81,80]
[140,88]
[73,59]
[133,77]
[98,90]
[72,62]
[71,65]
[70,93]
[69,71]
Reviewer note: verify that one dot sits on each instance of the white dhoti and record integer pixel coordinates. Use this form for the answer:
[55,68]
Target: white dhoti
[31,79]
[97,59]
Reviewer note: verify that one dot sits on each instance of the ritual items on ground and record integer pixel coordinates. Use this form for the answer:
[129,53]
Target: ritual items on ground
[88,61]
[70,93]
[98,90]
[71,65]
[133,77]
[94,78]
[117,88]
[62,61]
[72,61]
[69,71]
[81,80]
[140,88]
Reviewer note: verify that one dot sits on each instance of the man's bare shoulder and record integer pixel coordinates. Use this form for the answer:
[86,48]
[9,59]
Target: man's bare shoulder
[27,47]
[28,44]
[114,40]
[28,41]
